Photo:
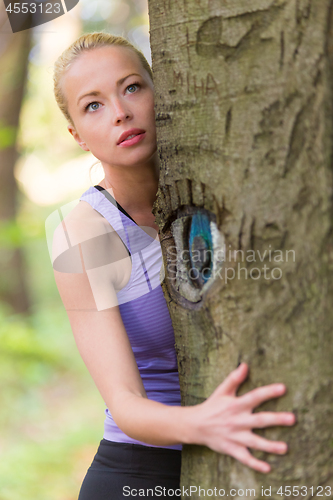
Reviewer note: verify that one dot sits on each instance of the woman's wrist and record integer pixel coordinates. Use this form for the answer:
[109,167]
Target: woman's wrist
[191,424]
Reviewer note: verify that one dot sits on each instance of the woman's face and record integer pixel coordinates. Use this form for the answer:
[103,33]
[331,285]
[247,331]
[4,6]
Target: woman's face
[110,96]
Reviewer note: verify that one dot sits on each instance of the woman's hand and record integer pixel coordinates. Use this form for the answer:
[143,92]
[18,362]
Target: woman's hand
[226,421]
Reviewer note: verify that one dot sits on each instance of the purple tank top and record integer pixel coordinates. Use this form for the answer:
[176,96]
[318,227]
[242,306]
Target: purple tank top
[143,310]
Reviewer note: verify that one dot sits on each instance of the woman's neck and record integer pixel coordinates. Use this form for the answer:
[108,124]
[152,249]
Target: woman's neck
[133,188]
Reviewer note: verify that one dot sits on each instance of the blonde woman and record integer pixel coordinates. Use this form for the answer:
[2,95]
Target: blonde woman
[107,263]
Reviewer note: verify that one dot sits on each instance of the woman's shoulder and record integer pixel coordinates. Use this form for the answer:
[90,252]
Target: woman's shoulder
[85,222]
[81,224]
[85,241]
[82,229]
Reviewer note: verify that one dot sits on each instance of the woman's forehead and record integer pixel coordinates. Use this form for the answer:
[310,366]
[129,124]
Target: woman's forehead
[109,64]
[110,58]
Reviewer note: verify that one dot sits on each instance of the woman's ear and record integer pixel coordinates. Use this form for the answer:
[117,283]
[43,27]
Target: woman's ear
[78,139]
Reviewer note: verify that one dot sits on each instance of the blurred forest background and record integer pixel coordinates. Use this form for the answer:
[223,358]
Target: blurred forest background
[51,414]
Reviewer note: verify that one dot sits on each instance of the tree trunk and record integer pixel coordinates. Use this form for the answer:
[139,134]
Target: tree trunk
[244,102]
[14,53]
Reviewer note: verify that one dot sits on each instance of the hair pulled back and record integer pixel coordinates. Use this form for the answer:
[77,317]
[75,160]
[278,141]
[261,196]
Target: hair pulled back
[84,43]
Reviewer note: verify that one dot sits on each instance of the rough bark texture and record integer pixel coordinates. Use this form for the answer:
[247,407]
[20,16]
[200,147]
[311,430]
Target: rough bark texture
[245,120]
[14,51]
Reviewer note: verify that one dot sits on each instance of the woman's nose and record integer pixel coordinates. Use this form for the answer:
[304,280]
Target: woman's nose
[121,111]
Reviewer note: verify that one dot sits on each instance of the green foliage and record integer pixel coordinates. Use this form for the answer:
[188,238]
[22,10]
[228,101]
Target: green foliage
[16,233]
[51,414]
[11,234]
[23,352]
[50,470]
[7,136]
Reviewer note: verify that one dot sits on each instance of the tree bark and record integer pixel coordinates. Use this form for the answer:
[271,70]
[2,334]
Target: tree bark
[245,120]
[13,62]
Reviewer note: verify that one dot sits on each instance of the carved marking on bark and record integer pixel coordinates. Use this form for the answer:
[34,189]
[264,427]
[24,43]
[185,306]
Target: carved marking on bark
[298,135]
[271,124]
[302,11]
[208,37]
[188,45]
[282,50]
[206,86]
[272,116]
[197,87]
[209,34]
[302,198]
[228,120]
[240,234]
[177,77]
[214,87]
[252,233]
[302,15]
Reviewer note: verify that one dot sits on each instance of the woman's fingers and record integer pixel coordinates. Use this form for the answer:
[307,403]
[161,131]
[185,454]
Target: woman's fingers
[251,440]
[259,395]
[269,418]
[244,456]
[230,385]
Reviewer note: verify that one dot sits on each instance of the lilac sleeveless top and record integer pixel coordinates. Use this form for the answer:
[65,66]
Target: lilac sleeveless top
[143,310]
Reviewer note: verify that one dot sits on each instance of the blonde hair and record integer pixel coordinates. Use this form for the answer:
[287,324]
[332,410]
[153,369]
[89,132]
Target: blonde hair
[85,42]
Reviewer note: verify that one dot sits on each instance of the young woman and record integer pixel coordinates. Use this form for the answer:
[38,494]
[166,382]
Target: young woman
[107,262]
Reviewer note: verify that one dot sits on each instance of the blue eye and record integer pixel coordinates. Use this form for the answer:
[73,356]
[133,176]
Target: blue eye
[94,106]
[133,87]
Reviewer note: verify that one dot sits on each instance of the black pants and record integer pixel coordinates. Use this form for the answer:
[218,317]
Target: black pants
[120,470]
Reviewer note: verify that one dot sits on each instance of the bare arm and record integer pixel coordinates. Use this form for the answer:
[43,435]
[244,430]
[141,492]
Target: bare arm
[223,422]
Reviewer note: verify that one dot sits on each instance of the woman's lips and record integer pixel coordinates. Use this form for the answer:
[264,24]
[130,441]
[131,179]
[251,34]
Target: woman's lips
[134,140]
